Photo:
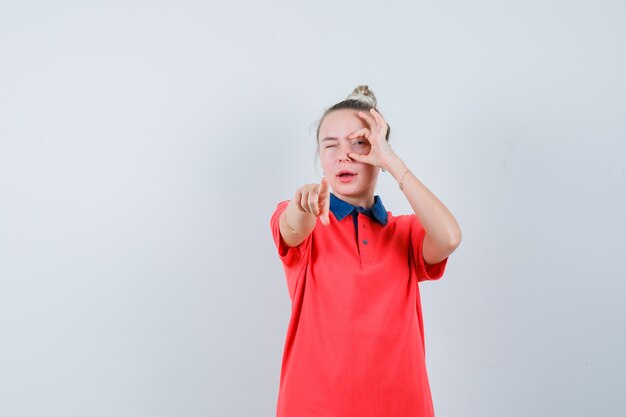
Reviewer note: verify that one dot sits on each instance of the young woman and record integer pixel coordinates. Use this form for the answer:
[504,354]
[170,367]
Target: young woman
[355,341]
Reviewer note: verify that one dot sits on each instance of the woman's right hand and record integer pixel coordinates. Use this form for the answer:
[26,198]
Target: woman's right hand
[314,199]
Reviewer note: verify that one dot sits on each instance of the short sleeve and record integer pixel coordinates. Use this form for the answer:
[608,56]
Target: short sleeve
[290,256]
[424,271]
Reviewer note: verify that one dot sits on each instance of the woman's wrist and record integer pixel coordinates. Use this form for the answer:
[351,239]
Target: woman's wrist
[397,168]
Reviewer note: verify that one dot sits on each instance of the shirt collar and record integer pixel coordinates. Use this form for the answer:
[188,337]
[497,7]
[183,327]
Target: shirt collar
[341,209]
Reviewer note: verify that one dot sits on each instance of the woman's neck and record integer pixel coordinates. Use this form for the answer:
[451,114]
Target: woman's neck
[358,201]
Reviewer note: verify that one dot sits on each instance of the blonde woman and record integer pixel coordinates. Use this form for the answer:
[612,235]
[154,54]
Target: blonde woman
[355,341]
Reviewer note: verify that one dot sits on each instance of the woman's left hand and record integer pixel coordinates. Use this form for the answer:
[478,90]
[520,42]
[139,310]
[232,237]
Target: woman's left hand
[381,154]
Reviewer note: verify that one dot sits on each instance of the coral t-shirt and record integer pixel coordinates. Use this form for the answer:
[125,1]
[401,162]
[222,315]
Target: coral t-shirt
[355,340]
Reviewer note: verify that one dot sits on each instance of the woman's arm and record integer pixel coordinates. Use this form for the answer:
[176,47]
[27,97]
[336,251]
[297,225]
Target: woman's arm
[298,220]
[443,234]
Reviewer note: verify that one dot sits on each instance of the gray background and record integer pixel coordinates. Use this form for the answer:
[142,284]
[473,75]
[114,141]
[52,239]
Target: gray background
[144,146]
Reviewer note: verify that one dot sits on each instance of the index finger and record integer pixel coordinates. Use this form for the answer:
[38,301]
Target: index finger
[365,132]
[324,187]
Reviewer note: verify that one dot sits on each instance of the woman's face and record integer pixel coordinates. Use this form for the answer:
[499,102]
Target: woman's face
[351,181]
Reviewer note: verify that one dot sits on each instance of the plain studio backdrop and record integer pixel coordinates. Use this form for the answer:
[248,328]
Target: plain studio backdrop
[144,146]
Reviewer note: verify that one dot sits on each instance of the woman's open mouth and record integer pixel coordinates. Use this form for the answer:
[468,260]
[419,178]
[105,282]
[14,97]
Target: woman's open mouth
[346,176]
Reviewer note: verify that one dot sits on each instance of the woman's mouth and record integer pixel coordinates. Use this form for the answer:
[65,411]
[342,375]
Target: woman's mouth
[346,176]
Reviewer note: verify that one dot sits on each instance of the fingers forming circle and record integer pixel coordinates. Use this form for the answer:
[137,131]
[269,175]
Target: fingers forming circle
[365,132]
[369,119]
[382,123]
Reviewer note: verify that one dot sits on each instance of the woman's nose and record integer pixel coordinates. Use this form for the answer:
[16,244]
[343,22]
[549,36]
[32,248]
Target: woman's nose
[343,156]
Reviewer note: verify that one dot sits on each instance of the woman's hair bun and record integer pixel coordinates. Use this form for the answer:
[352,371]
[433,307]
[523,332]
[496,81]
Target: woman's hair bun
[364,94]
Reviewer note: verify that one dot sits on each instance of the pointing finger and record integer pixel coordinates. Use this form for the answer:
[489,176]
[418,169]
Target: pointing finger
[323,187]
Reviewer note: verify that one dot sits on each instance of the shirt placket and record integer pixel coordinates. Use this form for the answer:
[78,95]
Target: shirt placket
[363,227]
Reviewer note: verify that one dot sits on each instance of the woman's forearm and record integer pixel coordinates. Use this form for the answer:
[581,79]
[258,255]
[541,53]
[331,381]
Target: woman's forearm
[295,225]
[443,233]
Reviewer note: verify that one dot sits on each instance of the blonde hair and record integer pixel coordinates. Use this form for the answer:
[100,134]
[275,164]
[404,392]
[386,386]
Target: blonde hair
[363,93]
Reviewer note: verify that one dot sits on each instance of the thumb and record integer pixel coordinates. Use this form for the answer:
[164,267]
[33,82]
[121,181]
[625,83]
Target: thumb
[359,158]
[324,215]
[324,194]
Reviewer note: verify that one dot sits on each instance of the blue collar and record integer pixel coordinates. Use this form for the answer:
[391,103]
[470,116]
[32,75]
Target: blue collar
[341,209]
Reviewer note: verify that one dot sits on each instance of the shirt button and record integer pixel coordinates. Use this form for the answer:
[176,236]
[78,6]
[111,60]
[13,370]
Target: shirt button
[365,242]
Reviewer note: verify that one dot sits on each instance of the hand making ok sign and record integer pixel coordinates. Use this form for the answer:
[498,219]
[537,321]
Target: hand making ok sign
[381,154]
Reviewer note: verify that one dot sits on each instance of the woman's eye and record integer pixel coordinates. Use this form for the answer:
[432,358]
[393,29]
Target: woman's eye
[329,146]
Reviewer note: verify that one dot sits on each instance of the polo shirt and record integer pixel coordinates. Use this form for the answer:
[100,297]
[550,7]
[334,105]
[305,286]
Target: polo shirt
[355,339]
